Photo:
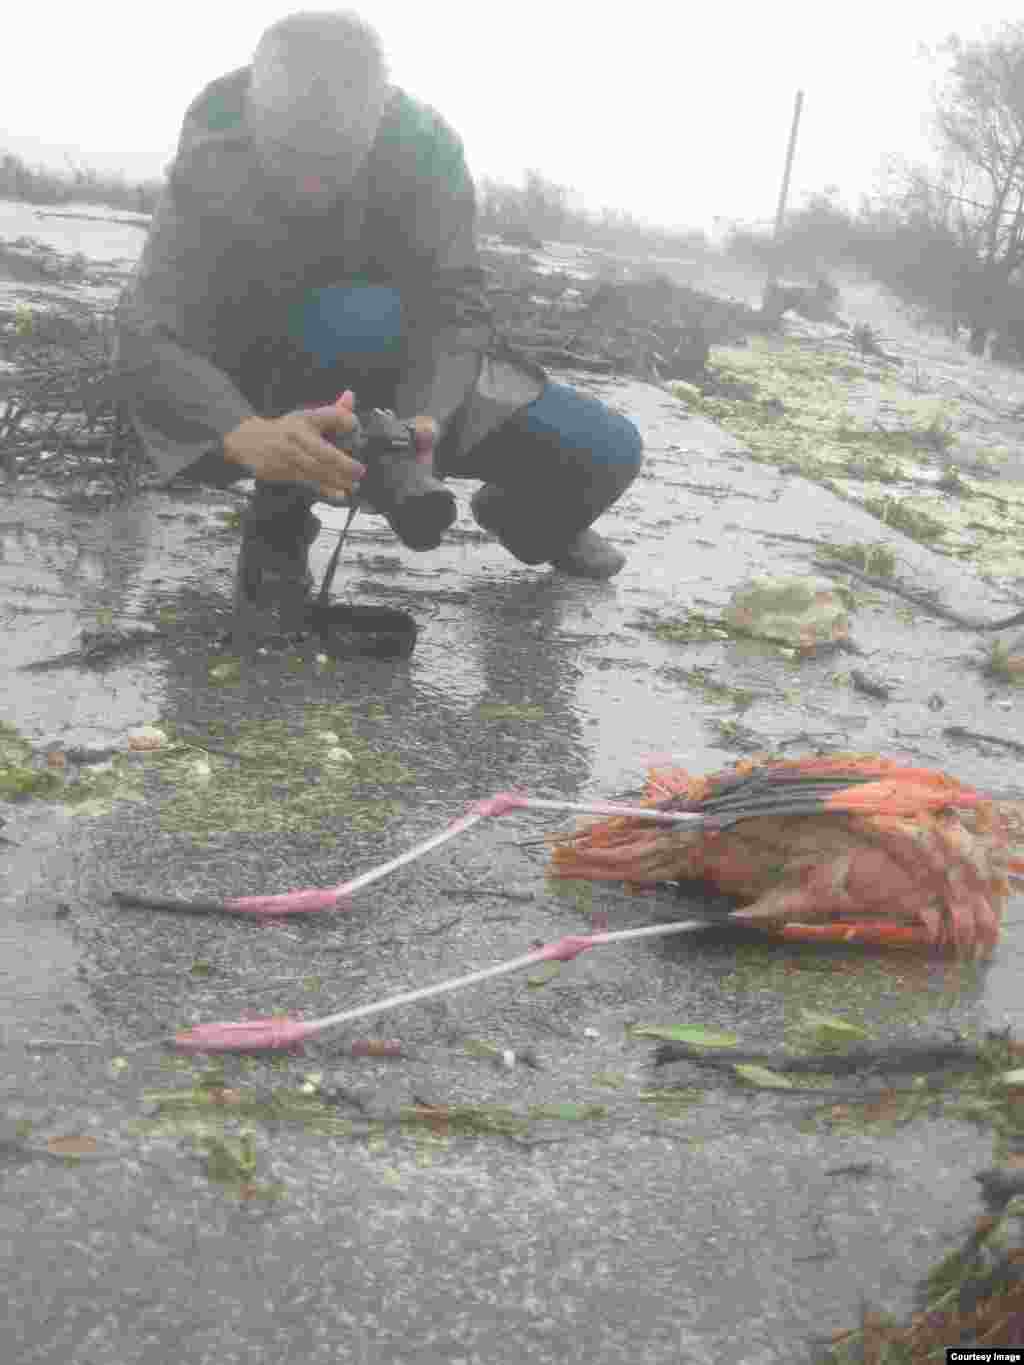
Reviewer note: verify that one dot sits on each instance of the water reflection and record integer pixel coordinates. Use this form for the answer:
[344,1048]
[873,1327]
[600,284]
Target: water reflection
[58,572]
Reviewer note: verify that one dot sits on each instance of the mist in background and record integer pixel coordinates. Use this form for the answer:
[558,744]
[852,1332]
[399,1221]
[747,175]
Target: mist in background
[678,115]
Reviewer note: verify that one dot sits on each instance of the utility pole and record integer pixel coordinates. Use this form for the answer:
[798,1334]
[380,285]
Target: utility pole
[780,211]
[784,191]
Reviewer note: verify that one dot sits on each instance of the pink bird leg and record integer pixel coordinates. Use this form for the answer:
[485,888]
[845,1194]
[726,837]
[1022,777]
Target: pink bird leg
[246,1035]
[281,1033]
[569,947]
[498,804]
[290,902]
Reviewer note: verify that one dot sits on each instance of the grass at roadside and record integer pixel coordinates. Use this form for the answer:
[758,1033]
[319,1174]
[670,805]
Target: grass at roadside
[791,402]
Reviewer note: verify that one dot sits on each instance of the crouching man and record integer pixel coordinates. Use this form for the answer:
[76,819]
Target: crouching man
[317,235]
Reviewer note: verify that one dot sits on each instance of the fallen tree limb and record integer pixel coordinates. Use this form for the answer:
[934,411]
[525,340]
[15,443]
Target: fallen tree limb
[961,732]
[96,653]
[916,1057]
[920,599]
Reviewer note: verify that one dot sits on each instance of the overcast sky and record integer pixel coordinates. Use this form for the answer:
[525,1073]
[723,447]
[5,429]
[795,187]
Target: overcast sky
[677,113]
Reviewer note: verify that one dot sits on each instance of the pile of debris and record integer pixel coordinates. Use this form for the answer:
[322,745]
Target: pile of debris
[54,410]
[608,316]
[29,261]
[56,337]
[620,321]
[816,303]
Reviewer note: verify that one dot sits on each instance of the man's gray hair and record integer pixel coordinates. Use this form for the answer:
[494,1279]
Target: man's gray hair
[317,76]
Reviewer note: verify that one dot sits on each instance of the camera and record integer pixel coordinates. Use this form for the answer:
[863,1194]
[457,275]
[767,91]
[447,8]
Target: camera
[417,506]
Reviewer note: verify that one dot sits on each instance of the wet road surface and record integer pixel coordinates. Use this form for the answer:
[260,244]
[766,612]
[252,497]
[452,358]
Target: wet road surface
[717,1231]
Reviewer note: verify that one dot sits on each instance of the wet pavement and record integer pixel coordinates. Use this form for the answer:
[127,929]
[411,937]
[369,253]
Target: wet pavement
[731,1226]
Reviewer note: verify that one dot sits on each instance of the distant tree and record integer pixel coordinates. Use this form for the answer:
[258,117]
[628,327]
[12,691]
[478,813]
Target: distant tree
[546,206]
[544,209]
[980,201]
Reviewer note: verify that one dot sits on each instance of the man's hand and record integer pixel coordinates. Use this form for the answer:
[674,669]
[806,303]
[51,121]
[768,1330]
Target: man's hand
[425,437]
[292,448]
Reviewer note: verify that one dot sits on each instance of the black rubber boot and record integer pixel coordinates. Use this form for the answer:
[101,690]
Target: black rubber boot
[492,509]
[273,585]
[587,555]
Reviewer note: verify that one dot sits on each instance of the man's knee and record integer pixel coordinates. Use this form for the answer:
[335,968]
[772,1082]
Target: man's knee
[618,455]
[631,454]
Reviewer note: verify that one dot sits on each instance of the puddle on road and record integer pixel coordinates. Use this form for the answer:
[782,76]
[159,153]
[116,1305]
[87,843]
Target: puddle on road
[98,234]
[60,572]
[41,993]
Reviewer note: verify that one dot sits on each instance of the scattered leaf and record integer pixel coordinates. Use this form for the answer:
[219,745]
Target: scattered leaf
[829,1028]
[695,1034]
[147,737]
[376,1047]
[614,1080]
[799,611]
[572,1112]
[477,1047]
[712,688]
[228,671]
[546,972]
[690,627]
[762,1077]
[498,710]
[876,559]
[913,520]
[466,1118]
[885,1106]
[71,1145]
[222,1098]
[230,1160]
[672,1103]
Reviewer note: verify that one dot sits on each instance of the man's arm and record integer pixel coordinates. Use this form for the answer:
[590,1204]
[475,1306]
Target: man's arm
[181,405]
[447,319]
[180,402]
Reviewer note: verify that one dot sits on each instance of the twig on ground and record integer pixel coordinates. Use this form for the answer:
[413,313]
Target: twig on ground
[920,599]
[869,686]
[961,732]
[40,1043]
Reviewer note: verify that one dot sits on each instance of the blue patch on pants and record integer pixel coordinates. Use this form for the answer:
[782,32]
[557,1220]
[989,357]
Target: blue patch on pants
[563,438]
[575,425]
